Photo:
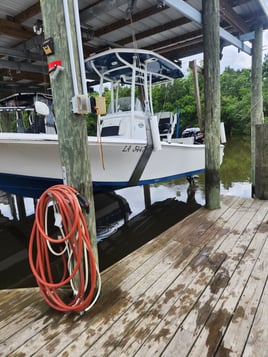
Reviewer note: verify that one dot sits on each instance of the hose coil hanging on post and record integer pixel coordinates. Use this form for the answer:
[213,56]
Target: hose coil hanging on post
[72,245]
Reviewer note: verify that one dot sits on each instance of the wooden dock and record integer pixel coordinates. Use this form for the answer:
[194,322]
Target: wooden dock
[198,289]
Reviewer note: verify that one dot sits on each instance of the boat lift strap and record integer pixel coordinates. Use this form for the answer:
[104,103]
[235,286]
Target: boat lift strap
[145,156]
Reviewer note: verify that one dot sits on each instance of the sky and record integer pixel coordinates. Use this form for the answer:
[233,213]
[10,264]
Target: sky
[231,56]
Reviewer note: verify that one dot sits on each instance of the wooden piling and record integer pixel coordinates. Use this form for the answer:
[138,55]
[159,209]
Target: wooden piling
[147,196]
[256,97]
[261,163]
[211,19]
[71,128]
[196,69]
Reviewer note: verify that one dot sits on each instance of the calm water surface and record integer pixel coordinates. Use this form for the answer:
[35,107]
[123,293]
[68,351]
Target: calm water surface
[123,221]
[235,179]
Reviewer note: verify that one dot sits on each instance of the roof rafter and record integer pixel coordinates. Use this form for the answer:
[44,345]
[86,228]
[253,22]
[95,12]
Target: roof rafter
[11,52]
[124,22]
[34,77]
[161,28]
[28,13]
[22,66]
[99,8]
[15,30]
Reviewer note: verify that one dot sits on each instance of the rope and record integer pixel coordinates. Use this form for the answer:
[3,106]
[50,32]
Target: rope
[72,245]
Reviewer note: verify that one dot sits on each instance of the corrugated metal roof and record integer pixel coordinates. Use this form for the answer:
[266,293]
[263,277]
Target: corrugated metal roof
[107,23]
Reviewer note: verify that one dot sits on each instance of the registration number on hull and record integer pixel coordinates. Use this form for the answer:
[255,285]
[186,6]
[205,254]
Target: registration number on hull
[133,148]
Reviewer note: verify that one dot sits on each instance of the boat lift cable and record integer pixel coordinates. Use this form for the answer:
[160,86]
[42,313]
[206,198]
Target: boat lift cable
[79,276]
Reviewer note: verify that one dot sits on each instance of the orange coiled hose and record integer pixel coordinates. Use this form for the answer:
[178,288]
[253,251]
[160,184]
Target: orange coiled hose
[78,266]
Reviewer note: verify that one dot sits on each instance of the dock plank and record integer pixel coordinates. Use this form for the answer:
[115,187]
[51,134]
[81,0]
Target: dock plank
[189,323]
[199,288]
[234,340]
[217,324]
[198,259]
[257,343]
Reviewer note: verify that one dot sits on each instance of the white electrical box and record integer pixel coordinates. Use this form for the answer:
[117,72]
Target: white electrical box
[81,104]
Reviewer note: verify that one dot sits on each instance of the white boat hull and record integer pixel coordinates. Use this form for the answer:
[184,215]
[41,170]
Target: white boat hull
[31,162]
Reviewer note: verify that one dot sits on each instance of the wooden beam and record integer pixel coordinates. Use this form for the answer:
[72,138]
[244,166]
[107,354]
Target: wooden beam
[99,8]
[21,66]
[11,52]
[28,13]
[177,41]
[161,28]
[230,16]
[196,69]
[17,76]
[8,88]
[179,52]
[13,29]
[261,161]
[211,24]
[125,22]
[189,11]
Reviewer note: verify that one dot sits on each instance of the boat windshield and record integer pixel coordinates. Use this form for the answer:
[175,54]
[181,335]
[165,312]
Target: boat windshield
[124,105]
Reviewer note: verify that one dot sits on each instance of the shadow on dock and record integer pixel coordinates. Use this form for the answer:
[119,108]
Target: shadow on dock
[110,208]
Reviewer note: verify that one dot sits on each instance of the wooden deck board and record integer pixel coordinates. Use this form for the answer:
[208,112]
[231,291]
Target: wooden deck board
[200,288]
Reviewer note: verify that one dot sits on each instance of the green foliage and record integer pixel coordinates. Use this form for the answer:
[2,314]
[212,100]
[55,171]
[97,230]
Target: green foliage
[179,94]
[91,124]
[235,101]
[8,121]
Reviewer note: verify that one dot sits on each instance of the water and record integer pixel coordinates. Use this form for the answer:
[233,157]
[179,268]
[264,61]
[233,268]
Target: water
[235,179]
[124,223]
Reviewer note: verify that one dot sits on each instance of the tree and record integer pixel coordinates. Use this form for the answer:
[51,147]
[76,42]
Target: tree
[235,101]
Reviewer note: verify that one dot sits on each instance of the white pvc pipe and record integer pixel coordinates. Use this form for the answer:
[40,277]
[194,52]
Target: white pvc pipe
[70,45]
[112,98]
[151,93]
[155,133]
[133,82]
[80,47]
[222,133]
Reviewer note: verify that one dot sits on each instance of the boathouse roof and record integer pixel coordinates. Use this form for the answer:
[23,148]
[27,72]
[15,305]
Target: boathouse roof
[171,28]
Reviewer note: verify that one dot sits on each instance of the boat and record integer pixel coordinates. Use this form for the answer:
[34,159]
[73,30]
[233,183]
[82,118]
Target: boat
[133,145]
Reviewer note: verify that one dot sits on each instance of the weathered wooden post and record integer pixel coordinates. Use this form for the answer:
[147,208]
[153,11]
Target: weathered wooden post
[211,35]
[196,69]
[261,162]
[256,97]
[67,85]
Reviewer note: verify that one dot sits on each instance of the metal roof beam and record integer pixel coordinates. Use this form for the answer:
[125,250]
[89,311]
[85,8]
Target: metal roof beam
[190,12]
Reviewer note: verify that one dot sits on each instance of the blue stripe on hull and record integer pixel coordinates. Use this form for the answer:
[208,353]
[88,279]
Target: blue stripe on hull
[30,186]
[26,186]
